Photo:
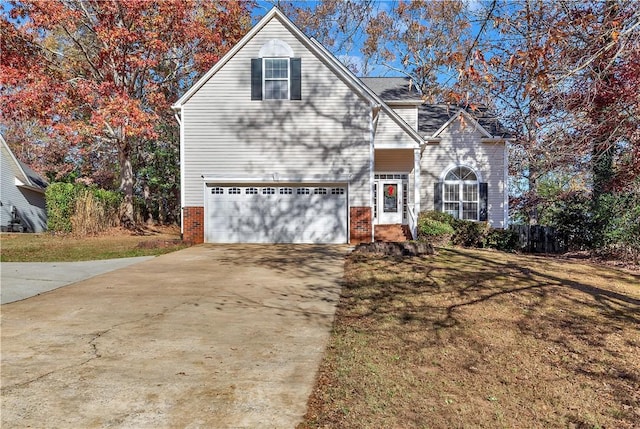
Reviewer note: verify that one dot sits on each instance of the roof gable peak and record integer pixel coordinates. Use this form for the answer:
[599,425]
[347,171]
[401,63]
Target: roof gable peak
[273,13]
[316,48]
[468,117]
[29,178]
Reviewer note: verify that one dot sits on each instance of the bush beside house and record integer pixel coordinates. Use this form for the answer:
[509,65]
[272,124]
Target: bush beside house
[439,229]
[609,225]
[79,209]
[610,228]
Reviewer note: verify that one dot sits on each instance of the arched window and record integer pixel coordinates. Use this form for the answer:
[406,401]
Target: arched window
[462,195]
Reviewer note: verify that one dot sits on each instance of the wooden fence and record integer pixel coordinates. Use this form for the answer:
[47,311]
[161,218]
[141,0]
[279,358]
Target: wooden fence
[539,239]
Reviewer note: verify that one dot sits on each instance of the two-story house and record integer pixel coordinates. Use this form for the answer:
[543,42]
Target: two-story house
[281,143]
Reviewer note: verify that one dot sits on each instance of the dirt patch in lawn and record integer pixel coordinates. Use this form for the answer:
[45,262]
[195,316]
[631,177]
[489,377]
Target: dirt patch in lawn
[477,338]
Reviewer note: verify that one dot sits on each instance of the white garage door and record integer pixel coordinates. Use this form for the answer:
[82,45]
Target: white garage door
[276,214]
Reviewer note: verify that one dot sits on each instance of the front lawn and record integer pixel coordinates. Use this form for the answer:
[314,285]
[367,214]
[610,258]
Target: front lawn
[477,338]
[115,243]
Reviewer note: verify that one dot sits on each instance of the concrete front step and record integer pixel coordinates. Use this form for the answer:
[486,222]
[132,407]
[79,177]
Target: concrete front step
[391,233]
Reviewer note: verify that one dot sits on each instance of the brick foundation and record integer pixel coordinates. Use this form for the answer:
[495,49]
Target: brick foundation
[360,225]
[193,224]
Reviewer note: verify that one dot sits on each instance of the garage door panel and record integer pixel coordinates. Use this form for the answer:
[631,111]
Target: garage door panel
[307,219]
[285,214]
[224,212]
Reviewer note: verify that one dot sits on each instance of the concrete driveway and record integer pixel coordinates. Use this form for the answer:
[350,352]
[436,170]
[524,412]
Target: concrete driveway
[210,336]
[22,280]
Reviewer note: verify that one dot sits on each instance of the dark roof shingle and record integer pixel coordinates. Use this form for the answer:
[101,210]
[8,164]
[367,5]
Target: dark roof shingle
[430,116]
[392,88]
[35,179]
[433,116]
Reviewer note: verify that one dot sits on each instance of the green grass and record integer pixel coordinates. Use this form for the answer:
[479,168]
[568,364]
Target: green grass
[57,248]
[477,338]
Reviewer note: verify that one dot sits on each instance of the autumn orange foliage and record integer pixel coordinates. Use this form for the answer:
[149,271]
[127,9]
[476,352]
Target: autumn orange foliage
[98,77]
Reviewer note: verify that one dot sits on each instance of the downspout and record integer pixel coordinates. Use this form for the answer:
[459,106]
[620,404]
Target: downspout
[417,171]
[177,115]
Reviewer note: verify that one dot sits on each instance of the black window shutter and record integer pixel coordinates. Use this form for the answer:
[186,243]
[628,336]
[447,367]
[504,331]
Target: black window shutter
[484,196]
[437,196]
[256,78]
[296,78]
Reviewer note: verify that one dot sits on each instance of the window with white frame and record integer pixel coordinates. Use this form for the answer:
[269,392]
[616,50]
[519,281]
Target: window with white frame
[276,74]
[461,194]
[276,78]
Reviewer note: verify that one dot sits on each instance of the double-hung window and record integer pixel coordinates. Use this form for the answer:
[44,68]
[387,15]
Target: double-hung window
[276,78]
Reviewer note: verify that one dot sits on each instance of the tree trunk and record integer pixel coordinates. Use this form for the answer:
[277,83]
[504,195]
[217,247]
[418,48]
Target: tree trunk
[126,183]
[148,202]
[603,150]
[533,194]
[602,159]
[162,217]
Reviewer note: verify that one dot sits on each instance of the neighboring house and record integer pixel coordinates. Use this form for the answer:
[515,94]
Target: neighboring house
[280,142]
[22,202]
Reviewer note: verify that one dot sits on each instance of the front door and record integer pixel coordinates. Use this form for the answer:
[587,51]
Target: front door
[389,201]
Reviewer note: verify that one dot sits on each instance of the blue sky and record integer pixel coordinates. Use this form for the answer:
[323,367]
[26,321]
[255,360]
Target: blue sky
[354,55]
[351,56]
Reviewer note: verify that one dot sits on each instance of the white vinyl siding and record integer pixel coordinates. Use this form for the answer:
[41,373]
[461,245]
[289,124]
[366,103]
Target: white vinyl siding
[227,134]
[389,135]
[409,114]
[463,146]
[30,204]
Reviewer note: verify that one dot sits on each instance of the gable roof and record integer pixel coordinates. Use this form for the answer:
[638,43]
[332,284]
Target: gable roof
[466,117]
[314,46]
[432,117]
[25,175]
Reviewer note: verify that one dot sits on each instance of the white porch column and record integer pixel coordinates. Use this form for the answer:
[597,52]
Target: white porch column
[373,124]
[416,181]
